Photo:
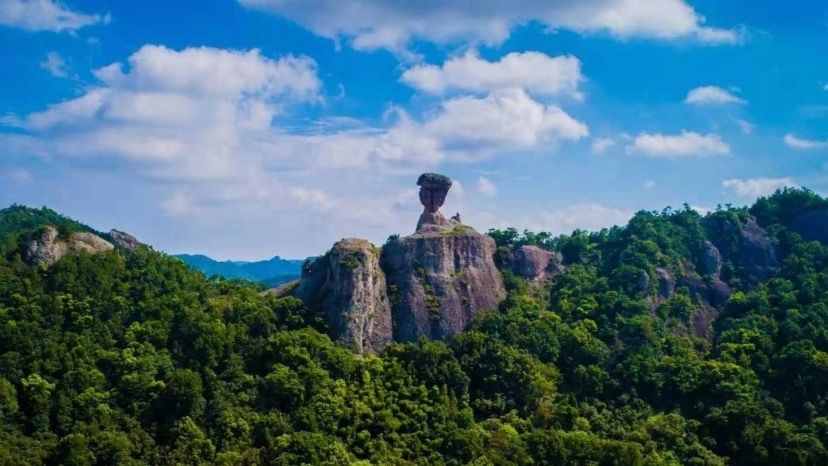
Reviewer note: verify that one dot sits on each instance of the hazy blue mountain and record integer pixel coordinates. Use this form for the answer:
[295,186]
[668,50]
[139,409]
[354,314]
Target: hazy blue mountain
[273,271]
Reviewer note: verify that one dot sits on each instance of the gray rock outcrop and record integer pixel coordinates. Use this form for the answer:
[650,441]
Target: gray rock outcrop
[749,248]
[666,284]
[348,287]
[534,263]
[124,240]
[429,284]
[47,248]
[440,280]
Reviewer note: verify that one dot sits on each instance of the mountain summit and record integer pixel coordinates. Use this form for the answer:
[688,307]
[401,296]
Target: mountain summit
[432,283]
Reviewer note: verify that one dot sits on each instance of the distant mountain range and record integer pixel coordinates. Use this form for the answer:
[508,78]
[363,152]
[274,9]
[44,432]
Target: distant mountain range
[272,272]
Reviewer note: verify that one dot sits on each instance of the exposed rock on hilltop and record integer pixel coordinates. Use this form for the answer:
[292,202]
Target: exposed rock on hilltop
[47,248]
[440,280]
[534,263]
[748,246]
[433,191]
[124,240]
[348,287]
[432,283]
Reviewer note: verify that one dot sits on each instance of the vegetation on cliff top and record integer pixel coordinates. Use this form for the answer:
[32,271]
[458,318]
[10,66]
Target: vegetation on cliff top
[132,358]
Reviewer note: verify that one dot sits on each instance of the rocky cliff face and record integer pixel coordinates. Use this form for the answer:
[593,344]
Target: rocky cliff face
[349,288]
[47,248]
[431,283]
[439,280]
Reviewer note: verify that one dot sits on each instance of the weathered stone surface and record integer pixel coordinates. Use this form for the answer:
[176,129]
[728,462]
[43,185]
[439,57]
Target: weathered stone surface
[757,254]
[711,260]
[124,240]
[439,280]
[749,248]
[432,283]
[534,263]
[47,248]
[666,284]
[433,191]
[643,281]
[349,288]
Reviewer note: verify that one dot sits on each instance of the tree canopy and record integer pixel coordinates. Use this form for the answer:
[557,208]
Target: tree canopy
[132,358]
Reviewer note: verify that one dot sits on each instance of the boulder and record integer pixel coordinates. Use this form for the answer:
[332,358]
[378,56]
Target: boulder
[124,240]
[534,263]
[433,191]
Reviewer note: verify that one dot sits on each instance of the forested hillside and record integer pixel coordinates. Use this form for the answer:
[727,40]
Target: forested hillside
[131,358]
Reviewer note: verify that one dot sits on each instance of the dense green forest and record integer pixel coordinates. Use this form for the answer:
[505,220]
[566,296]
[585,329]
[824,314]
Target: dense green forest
[132,358]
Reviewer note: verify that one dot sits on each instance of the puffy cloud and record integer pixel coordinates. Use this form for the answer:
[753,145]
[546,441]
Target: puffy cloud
[649,184]
[55,64]
[44,15]
[600,145]
[799,143]
[188,110]
[686,144]
[757,187]
[533,71]
[371,24]
[506,120]
[712,95]
[202,130]
[486,187]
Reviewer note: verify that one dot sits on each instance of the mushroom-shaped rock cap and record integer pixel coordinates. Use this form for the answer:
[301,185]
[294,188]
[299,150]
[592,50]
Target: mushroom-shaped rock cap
[434,181]
[433,191]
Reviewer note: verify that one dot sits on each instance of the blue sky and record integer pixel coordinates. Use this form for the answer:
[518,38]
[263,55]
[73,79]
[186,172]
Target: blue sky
[243,129]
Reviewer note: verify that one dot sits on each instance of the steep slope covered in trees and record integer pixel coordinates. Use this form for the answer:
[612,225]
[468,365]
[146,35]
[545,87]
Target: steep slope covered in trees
[646,347]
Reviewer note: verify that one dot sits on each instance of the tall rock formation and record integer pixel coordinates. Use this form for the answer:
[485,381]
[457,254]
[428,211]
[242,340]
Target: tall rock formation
[347,286]
[439,280]
[443,275]
[431,283]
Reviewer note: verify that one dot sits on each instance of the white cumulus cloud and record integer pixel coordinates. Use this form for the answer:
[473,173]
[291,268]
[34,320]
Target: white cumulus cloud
[683,145]
[372,24]
[533,71]
[712,95]
[44,15]
[504,120]
[757,187]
